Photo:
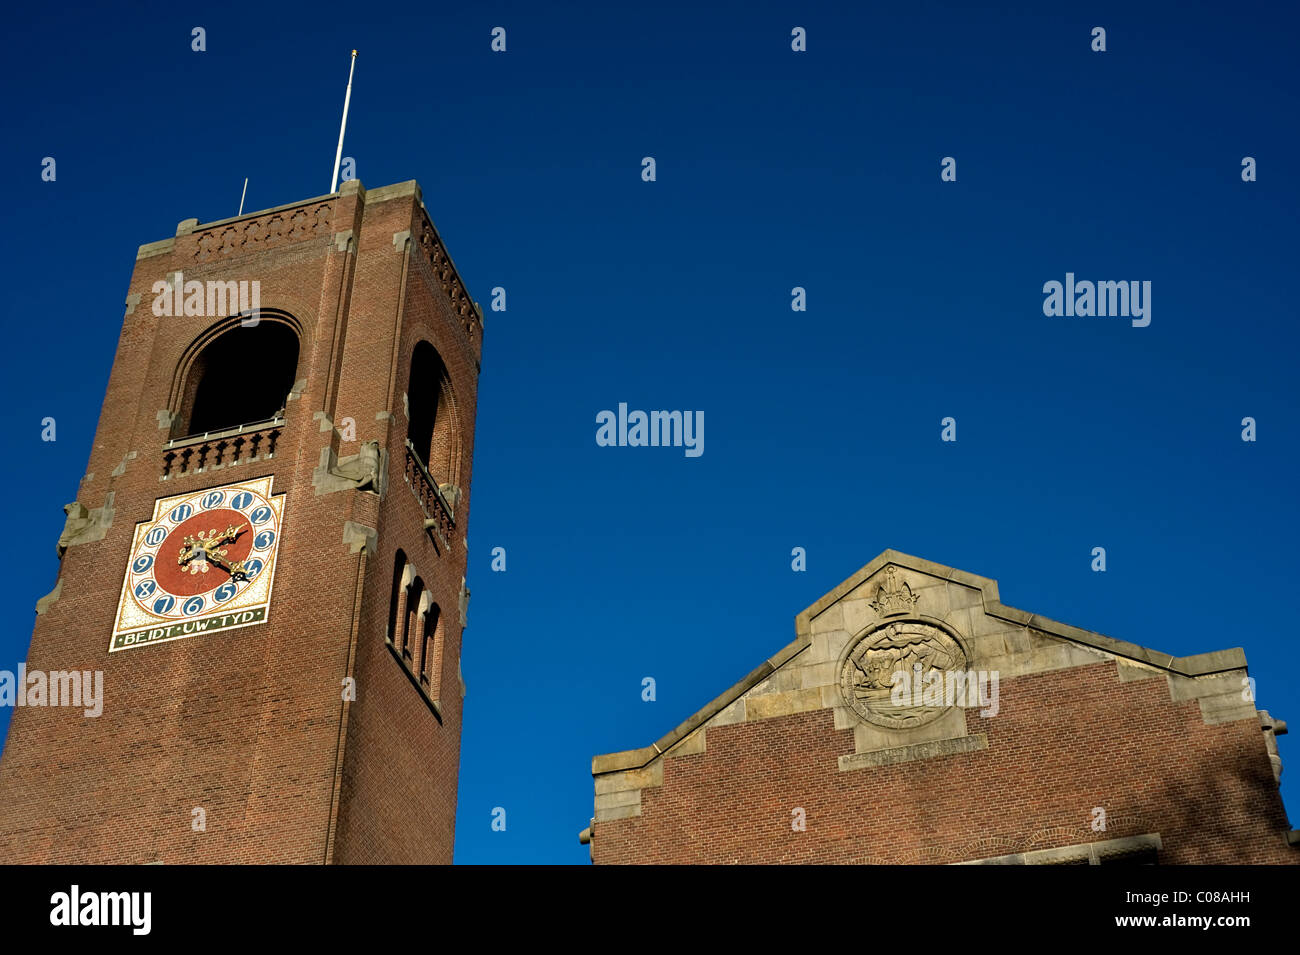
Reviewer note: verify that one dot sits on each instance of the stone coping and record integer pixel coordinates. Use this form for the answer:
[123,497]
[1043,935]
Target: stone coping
[1201,664]
[350,187]
[236,431]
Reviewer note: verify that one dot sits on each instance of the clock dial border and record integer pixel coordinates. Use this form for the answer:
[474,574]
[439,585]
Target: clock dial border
[137,625]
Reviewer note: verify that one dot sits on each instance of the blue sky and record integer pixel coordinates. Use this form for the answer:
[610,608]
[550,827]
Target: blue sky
[775,169]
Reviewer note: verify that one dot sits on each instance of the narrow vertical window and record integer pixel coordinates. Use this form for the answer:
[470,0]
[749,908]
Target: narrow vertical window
[397,600]
[428,653]
[411,632]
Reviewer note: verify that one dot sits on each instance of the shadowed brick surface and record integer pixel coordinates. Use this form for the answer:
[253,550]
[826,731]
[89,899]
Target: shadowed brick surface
[1063,743]
[247,724]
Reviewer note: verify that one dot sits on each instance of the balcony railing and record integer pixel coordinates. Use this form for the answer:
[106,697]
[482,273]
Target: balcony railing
[218,449]
[437,512]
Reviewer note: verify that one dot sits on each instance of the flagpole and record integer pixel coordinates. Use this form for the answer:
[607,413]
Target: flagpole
[242,196]
[347,98]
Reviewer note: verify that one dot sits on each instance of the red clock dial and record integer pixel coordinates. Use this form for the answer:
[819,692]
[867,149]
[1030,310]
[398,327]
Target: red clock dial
[202,572]
[205,563]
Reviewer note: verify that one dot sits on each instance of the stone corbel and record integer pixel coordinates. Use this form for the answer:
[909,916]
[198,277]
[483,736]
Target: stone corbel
[1273,729]
[451,494]
[367,470]
[464,603]
[83,525]
[359,537]
[49,600]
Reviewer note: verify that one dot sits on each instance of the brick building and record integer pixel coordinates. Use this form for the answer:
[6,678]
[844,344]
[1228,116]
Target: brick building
[266,556]
[1004,738]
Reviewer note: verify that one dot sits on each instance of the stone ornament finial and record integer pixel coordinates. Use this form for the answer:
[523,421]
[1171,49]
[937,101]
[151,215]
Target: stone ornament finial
[893,596]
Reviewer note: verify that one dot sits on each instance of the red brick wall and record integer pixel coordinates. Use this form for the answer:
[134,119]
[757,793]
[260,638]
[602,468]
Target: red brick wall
[402,764]
[246,723]
[1063,742]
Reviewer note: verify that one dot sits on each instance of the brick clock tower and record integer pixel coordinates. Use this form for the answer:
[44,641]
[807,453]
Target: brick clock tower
[266,557]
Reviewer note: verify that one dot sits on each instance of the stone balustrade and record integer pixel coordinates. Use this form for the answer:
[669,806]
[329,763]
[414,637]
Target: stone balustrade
[220,449]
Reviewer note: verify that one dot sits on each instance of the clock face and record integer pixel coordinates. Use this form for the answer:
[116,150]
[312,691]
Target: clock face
[205,562]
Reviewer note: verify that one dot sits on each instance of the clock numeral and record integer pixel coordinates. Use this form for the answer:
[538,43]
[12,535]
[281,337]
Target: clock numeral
[164,604]
[181,513]
[192,606]
[212,500]
[144,588]
[224,592]
[261,515]
[252,567]
[263,540]
[142,563]
[156,536]
[241,500]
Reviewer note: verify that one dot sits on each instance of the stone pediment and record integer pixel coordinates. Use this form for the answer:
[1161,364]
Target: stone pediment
[905,614]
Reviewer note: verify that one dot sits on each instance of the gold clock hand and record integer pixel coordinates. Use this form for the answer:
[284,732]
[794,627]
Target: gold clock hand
[191,546]
[230,534]
[234,568]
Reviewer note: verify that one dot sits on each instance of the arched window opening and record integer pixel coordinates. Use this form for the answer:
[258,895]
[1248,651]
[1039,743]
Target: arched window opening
[241,377]
[431,427]
[397,601]
[414,604]
[432,634]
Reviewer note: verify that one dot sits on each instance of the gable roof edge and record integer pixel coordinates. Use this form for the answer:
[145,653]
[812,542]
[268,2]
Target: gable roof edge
[1197,665]
[636,758]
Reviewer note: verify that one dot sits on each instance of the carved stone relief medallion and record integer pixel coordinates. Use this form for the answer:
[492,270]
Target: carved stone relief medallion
[922,653]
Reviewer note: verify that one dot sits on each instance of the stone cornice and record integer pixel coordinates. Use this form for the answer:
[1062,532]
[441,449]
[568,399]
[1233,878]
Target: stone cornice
[428,245]
[279,226]
[190,227]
